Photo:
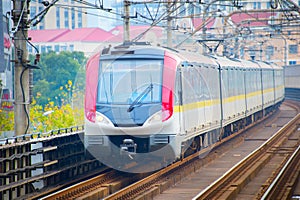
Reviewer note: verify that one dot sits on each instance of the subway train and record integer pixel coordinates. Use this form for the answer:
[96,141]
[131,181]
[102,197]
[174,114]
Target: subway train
[145,102]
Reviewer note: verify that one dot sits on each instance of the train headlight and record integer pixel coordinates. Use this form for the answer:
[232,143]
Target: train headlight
[101,119]
[157,117]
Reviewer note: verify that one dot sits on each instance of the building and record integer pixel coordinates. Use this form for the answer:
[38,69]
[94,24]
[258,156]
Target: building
[237,30]
[65,14]
[87,40]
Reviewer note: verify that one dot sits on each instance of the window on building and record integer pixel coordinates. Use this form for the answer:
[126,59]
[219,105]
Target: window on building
[79,18]
[32,14]
[57,17]
[190,9]
[63,48]
[29,48]
[268,5]
[43,49]
[32,11]
[38,47]
[214,7]
[270,50]
[66,13]
[292,62]
[293,49]
[42,23]
[197,9]
[71,47]
[56,48]
[182,9]
[258,5]
[73,17]
[49,48]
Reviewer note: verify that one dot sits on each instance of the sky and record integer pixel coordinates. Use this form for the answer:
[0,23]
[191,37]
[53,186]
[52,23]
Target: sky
[99,18]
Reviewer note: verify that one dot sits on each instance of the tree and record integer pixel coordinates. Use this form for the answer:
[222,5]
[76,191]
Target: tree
[57,85]
[56,71]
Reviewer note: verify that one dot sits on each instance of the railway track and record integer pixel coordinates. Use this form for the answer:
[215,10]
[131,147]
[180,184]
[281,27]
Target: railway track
[97,187]
[231,183]
[158,182]
[284,183]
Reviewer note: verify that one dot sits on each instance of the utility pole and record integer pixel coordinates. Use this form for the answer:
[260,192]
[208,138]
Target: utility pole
[21,77]
[126,33]
[169,25]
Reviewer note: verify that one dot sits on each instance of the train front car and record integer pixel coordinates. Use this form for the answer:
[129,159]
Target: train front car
[129,107]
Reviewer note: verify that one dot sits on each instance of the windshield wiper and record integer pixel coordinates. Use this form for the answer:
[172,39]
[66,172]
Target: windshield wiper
[140,97]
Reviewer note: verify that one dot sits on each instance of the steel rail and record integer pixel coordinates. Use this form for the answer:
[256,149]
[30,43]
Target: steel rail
[282,178]
[81,187]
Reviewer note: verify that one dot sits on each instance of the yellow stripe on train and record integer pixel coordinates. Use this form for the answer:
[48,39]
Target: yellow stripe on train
[212,102]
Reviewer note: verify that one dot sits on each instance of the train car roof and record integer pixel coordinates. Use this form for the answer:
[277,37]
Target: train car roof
[141,49]
[250,64]
[197,58]
[264,65]
[228,63]
[275,66]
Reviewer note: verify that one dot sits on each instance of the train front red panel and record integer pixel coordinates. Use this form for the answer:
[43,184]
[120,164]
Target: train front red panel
[92,69]
[169,76]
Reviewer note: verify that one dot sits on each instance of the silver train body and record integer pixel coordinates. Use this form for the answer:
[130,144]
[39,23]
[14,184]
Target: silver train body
[152,101]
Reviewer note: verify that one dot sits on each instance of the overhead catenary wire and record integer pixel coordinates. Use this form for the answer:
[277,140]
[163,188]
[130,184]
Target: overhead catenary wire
[154,20]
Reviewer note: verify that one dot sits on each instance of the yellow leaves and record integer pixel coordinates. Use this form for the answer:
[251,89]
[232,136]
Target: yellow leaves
[53,117]
[51,103]
[56,117]
[6,120]
[70,83]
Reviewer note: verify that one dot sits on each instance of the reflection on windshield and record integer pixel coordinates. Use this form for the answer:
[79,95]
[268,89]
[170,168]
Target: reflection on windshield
[123,81]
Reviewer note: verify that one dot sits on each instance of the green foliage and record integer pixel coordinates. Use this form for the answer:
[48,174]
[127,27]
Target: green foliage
[58,88]
[56,117]
[56,71]
[6,120]
[62,117]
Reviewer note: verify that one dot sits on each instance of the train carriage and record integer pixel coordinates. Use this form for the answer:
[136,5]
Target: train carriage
[144,102]
[253,87]
[267,79]
[233,89]
[278,83]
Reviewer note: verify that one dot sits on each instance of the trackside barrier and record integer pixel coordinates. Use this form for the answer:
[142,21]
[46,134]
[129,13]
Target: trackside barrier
[36,136]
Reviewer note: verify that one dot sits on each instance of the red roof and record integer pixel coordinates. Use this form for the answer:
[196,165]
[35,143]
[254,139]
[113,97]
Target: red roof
[135,31]
[85,35]
[198,22]
[248,19]
[46,35]
[88,34]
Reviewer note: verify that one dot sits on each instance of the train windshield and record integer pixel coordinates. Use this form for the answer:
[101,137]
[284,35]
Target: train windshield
[130,81]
